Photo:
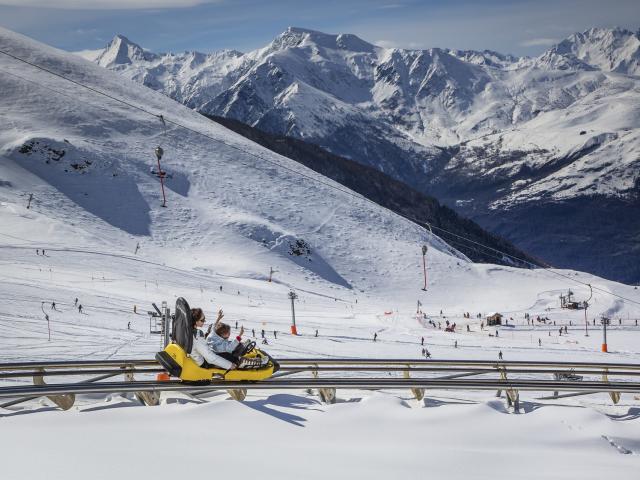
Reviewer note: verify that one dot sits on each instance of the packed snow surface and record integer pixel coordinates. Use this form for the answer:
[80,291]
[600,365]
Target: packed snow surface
[95,232]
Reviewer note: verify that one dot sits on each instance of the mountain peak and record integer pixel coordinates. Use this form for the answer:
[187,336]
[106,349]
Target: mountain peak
[122,51]
[608,49]
[296,36]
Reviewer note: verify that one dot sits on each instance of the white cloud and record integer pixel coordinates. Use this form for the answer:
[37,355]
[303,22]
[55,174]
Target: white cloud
[539,42]
[389,6]
[393,44]
[104,4]
[386,44]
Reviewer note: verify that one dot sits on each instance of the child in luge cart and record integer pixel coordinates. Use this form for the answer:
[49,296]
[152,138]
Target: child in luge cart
[232,350]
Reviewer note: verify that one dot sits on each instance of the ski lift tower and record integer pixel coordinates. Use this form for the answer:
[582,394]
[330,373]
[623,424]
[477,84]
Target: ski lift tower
[160,322]
[161,174]
[605,321]
[424,265]
[166,323]
[155,321]
[292,297]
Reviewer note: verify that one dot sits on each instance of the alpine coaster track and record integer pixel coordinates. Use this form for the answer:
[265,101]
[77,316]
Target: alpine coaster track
[576,378]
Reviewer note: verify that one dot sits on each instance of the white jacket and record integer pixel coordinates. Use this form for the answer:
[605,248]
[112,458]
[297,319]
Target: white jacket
[200,352]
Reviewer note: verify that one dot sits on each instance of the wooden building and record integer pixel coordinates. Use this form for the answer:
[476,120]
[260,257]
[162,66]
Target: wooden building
[494,319]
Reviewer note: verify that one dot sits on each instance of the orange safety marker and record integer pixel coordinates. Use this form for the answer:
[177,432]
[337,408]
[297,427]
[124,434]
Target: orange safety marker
[163,377]
[604,348]
[294,330]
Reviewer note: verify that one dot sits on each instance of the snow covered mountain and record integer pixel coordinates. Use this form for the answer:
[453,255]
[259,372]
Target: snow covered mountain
[235,208]
[596,49]
[504,140]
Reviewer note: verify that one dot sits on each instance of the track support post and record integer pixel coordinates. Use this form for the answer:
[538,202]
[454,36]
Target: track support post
[238,394]
[615,396]
[556,376]
[513,396]
[327,395]
[418,393]
[151,399]
[65,402]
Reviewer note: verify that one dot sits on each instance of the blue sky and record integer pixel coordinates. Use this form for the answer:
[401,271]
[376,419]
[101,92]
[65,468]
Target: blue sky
[521,27]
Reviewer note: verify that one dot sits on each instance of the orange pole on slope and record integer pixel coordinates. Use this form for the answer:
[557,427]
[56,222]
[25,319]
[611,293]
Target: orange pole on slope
[293,296]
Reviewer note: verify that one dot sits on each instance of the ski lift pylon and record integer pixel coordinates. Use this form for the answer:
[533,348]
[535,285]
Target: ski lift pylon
[159,151]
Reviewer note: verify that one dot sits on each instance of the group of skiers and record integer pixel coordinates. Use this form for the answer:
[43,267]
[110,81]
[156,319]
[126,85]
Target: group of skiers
[75,304]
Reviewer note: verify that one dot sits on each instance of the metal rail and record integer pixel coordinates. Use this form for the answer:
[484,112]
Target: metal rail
[343,383]
[90,371]
[59,371]
[334,361]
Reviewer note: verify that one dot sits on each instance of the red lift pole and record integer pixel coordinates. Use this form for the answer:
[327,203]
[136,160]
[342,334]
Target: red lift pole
[159,153]
[424,265]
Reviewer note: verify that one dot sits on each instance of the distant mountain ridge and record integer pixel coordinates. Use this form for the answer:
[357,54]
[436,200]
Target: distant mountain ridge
[610,50]
[492,135]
